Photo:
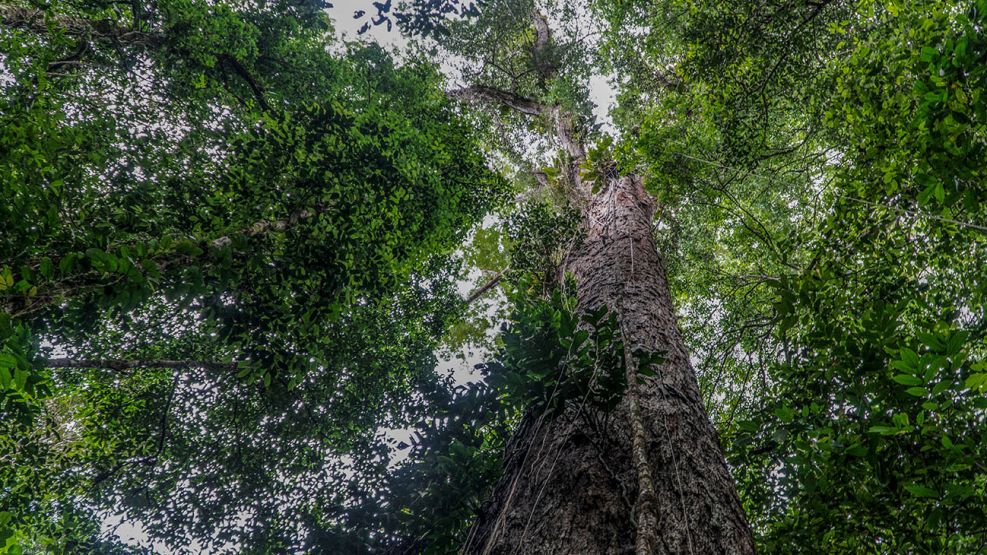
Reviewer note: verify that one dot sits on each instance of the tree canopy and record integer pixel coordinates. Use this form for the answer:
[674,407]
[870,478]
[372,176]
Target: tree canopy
[233,245]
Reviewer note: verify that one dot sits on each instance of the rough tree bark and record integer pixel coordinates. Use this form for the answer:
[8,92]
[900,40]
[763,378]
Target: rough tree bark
[650,476]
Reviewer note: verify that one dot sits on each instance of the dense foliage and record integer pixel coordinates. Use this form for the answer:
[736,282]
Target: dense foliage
[825,224]
[227,262]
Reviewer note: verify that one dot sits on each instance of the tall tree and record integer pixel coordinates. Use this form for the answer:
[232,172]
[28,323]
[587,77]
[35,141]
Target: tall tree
[826,222]
[225,270]
[648,475]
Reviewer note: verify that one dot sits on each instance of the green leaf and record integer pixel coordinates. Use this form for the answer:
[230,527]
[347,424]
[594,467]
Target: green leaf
[20,379]
[901,420]
[976,382]
[921,491]
[8,360]
[917,391]
[46,268]
[748,425]
[909,357]
[942,386]
[906,379]
[956,342]
[856,450]
[785,413]
[931,341]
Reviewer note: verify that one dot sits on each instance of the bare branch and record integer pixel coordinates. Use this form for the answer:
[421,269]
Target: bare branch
[486,286]
[480,93]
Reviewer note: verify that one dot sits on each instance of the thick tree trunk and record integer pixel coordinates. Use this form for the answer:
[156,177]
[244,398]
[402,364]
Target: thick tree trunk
[649,477]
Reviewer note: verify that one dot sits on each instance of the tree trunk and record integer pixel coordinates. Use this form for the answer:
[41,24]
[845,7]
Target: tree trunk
[650,476]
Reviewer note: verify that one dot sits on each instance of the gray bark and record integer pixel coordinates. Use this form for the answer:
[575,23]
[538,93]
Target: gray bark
[649,477]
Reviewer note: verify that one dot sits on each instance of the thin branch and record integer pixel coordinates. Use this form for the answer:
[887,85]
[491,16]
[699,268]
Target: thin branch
[162,437]
[264,226]
[486,286]
[72,60]
[163,427]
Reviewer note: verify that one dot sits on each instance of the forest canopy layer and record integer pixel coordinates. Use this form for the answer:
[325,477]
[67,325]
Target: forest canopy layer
[265,289]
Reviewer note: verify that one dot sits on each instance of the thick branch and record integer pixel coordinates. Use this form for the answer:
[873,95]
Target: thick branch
[566,123]
[122,364]
[541,53]
[542,33]
[567,131]
[244,74]
[480,93]
[33,20]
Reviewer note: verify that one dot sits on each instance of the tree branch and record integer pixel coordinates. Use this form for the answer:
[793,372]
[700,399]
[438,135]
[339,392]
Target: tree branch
[264,226]
[486,286]
[34,20]
[480,93]
[542,33]
[541,54]
[17,305]
[255,87]
[123,364]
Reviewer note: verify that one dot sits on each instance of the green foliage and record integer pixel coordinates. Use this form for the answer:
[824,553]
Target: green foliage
[921,134]
[201,181]
[540,237]
[205,182]
[599,165]
[820,167]
[552,358]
